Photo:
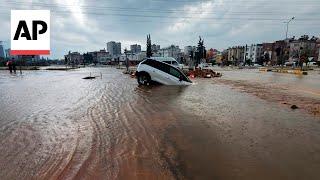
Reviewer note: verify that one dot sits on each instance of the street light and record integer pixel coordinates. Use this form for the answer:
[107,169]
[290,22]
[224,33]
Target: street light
[287,22]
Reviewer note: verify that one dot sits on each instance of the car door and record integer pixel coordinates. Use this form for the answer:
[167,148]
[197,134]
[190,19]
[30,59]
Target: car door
[159,72]
[151,69]
[178,77]
[175,76]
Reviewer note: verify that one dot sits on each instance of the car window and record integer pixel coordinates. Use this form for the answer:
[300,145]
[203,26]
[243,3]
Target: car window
[148,62]
[174,63]
[174,72]
[158,65]
[169,62]
[163,67]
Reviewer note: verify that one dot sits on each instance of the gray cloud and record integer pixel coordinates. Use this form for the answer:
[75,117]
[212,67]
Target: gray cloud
[79,25]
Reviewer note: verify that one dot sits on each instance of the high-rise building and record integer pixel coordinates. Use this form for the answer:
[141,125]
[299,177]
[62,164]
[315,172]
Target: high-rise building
[2,54]
[135,48]
[114,48]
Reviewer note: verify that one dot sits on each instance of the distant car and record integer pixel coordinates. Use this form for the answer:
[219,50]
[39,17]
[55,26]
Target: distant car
[289,63]
[313,63]
[203,65]
[168,60]
[151,70]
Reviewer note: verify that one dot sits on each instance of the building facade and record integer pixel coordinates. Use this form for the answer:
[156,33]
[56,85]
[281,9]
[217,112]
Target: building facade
[135,48]
[212,55]
[74,58]
[236,54]
[253,53]
[155,48]
[114,48]
[134,59]
[171,51]
[101,56]
[2,52]
[188,50]
[303,45]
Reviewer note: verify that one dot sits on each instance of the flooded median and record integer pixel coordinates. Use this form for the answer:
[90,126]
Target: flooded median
[60,126]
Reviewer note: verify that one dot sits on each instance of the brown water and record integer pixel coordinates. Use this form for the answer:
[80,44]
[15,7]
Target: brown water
[55,125]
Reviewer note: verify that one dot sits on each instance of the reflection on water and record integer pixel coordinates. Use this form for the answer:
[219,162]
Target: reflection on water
[304,85]
[57,125]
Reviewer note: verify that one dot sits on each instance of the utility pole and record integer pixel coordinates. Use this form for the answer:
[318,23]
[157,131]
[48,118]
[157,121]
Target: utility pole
[127,62]
[287,22]
[245,55]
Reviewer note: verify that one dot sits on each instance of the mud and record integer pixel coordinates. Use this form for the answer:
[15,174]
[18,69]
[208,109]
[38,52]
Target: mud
[277,94]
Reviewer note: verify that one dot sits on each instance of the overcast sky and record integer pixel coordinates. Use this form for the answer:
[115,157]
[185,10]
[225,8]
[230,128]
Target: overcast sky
[86,25]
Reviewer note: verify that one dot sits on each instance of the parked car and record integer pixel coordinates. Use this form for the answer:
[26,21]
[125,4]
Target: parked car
[289,63]
[313,64]
[203,65]
[151,70]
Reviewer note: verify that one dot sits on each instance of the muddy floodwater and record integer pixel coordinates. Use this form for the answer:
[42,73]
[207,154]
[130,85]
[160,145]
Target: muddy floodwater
[56,125]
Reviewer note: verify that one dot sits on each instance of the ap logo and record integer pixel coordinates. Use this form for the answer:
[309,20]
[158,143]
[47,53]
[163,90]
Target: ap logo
[30,32]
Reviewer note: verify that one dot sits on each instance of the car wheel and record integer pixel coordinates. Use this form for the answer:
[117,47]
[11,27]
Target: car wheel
[144,79]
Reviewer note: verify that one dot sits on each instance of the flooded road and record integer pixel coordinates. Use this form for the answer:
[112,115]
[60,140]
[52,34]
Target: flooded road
[55,125]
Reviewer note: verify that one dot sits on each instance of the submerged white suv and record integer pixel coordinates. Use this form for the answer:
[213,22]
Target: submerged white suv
[151,70]
[168,60]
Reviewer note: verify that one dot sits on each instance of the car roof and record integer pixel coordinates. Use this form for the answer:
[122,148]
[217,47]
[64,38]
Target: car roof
[163,58]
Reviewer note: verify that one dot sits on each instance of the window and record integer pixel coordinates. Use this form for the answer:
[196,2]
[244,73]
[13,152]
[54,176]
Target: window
[149,62]
[163,67]
[174,72]
[158,65]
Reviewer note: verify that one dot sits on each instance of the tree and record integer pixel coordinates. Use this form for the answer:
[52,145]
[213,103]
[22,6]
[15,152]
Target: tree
[279,55]
[201,51]
[304,37]
[305,53]
[149,50]
[267,57]
[87,58]
[248,62]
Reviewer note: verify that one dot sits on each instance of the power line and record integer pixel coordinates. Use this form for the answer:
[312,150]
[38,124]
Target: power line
[186,17]
[130,8]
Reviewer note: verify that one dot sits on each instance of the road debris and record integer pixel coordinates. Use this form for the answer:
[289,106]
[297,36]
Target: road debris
[203,73]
